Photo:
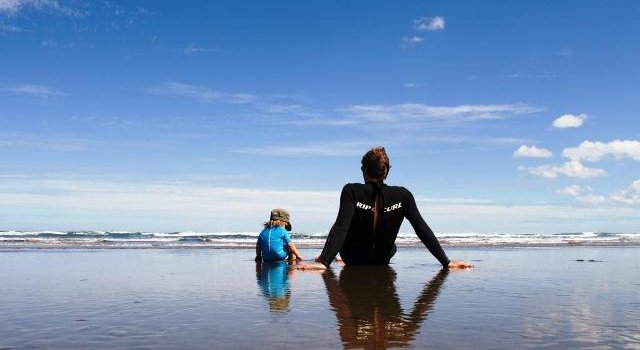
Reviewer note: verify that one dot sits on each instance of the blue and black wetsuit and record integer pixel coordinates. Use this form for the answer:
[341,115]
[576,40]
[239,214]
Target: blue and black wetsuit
[368,222]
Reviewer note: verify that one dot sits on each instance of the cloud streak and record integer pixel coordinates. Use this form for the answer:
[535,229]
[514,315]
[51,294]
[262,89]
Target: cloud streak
[199,93]
[424,112]
[429,24]
[332,149]
[412,40]
[71,203]
[4,28]
[34,90]
[14,6]
[11,140]
[423,24]
[193,49]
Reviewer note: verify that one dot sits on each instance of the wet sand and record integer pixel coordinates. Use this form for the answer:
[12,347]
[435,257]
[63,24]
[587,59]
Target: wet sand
[552,298]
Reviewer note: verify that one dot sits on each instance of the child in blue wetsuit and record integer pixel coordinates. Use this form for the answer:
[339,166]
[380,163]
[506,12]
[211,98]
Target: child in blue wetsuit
[274,242]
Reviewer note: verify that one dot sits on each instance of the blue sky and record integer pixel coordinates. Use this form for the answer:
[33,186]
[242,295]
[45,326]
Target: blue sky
[203,115]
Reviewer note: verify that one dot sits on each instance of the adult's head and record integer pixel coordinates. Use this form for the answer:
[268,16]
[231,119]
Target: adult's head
[375,164]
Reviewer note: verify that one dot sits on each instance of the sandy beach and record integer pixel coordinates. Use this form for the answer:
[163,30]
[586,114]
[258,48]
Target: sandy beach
[552,298]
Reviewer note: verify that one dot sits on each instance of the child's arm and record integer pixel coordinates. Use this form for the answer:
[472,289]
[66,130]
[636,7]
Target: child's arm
[258,252]
[294,251]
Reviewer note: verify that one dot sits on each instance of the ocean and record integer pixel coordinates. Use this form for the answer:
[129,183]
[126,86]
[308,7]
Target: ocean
[127,239]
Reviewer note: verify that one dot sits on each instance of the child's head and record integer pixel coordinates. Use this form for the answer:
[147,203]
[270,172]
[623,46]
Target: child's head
[279,217]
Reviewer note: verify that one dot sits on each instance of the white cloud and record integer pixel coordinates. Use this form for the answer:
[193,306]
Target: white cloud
[582,194]
[453,200]
[193,49]
[474,140]
[415,115]
[4,28]
[163,206]
[629,196]
[419,111]
[569,121]
[412,40]
[431,24]
[588,151]
[9,140]
[41,91]
[596,151]
[200,93]
[565,52]
[13,6]
[333,149]
[592,199]
[573,190]
[55,44]
[543,75]
[525,151]
[570,169]
[103,204]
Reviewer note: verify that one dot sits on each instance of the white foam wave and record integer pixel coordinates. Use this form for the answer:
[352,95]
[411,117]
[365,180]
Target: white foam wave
[247,239]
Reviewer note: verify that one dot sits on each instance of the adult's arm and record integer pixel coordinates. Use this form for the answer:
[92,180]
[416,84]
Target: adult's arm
[338,232]
[425,302]
[424,232]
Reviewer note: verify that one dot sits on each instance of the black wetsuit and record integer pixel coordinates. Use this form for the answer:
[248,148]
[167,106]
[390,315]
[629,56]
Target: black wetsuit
[353,233]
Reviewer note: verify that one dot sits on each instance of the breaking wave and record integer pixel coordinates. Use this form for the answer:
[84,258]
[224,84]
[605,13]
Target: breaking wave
[126,239]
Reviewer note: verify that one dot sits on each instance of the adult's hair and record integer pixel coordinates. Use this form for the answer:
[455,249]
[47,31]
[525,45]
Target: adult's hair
[375,164]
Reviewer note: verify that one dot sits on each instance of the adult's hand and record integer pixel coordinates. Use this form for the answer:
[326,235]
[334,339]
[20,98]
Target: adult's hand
[459,264]
[315,266]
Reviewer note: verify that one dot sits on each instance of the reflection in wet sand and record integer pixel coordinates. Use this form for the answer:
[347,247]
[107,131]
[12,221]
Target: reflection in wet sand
[273,280]
[368,309]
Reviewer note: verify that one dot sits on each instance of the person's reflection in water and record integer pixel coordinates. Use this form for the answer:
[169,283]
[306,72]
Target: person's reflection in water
[368,308]
[273,279]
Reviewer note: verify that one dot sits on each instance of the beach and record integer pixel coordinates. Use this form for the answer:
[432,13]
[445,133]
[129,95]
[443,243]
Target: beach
[515,297]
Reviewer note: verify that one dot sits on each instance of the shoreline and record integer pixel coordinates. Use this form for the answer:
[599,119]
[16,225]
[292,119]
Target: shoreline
[151,246]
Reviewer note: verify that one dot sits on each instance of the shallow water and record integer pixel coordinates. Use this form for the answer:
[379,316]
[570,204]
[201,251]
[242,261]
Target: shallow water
[553,298]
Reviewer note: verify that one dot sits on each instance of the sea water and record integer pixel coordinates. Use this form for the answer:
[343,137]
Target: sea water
[126,239]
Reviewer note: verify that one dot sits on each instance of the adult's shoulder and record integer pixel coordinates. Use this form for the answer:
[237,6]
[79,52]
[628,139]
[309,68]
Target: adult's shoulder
[400,189]
[352,186]
[402,193]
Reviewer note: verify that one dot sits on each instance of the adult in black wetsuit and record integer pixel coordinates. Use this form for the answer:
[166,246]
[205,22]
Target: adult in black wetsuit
[369,219]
